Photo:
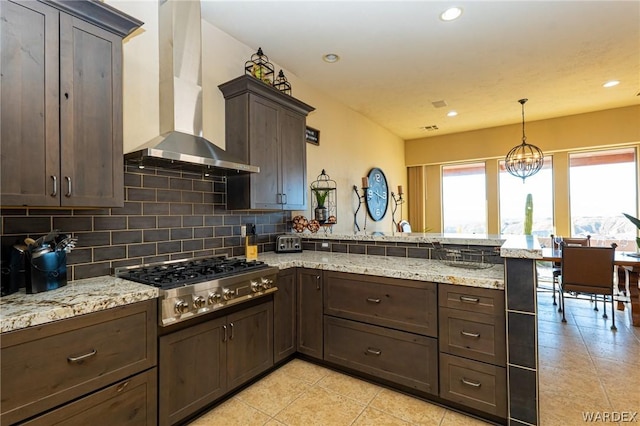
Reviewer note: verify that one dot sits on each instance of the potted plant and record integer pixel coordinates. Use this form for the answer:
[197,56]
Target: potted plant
[321,210]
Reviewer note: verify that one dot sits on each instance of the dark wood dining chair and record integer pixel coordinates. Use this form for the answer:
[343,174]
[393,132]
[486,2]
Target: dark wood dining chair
[588,270]
[556,269]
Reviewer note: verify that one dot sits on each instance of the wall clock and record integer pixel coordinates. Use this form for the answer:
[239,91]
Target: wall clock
[377,194]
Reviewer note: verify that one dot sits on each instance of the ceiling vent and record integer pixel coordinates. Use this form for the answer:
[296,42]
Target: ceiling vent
[431,128]
[439,104]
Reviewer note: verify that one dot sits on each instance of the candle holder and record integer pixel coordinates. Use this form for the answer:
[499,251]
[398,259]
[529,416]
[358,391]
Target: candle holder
[361,200]
[397,201]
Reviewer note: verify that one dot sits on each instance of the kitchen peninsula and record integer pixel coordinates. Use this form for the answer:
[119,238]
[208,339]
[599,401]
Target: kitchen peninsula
[409,257]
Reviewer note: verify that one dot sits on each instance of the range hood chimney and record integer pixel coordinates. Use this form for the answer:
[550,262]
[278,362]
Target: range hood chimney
[180,144]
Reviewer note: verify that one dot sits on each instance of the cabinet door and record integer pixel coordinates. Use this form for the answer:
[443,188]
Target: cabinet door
[29,147]
[90,115]
[193,372]
[284,315]
[309,293]
[294,160]
[264,148]
[250,343]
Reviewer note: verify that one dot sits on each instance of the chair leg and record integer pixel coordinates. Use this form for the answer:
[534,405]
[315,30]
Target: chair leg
[595,297]
[604,303]
[613,315]
[561,292]
[554,291]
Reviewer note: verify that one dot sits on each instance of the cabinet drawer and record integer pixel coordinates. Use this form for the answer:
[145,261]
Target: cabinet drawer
[131,402]
[474,384]
[46,366]
[404,358]
[400,304]
[472,335]
[474,299]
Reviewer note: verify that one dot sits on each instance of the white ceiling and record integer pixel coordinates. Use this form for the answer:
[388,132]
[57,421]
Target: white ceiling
[397,57]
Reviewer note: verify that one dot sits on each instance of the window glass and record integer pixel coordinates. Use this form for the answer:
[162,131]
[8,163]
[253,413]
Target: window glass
[513,197]
[602,186]
[464,199]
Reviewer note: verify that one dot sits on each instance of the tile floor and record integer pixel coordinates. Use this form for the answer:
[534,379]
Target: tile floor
[584,367]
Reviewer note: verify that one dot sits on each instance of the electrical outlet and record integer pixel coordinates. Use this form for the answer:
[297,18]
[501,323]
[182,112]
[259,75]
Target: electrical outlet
[243,231]
[325,245]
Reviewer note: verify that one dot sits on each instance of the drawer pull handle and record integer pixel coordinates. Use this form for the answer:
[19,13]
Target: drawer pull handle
[224,336]
[122,386]
[466,333]
[373,300]
[81,358]
[470,383]
[372,351]
[468,299]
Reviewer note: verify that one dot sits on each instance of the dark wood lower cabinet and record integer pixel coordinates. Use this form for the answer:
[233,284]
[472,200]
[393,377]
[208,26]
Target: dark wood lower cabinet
[131,402]
[310,312]
[400,357]
[474,384]
[284,316]
[201,363]
[45,367]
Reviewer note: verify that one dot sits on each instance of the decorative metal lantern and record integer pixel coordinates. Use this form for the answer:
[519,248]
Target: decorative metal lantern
[524,160]
[324,200]
[282,84]
[260,67]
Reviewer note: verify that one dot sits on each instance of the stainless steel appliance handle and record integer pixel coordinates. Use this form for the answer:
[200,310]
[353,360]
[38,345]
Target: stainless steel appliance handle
[68,179]
[54,178]
[81,358]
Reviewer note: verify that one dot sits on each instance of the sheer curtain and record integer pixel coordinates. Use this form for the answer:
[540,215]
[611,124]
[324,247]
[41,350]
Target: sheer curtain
[416,198]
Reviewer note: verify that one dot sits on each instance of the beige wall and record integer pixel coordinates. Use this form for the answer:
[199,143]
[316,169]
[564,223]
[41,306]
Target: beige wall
[350,144]
[602,129]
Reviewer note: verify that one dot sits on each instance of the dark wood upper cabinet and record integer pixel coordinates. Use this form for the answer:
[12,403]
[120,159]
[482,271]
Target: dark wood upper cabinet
[61,111]
[265,128]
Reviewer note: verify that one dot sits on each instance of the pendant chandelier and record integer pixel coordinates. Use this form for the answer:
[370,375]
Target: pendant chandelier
[524,160]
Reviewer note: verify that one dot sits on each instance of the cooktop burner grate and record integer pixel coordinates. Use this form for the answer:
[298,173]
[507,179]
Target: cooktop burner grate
[188,272]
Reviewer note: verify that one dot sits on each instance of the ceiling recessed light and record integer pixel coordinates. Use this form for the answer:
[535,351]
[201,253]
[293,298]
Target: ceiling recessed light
[331,58]
[452,113]
[451,14]
[611,83]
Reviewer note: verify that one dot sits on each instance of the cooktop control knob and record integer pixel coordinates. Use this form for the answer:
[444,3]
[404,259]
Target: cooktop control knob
[214,298]
[266,283]
[255,287]
[199,302]
[228,294]
[181,307]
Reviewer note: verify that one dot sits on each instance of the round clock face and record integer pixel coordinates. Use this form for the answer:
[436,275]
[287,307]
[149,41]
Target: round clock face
[377,194]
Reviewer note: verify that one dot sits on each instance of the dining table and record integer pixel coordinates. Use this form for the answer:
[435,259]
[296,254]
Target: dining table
[628,264]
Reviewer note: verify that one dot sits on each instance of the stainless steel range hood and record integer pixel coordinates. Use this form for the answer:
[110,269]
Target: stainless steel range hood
[181,144]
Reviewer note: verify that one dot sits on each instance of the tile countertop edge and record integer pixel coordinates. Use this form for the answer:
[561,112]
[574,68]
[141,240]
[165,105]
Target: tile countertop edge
[21,310]
[392,267]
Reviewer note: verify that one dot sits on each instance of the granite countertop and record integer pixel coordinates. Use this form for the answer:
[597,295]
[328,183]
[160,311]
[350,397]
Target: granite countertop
[393,267]
[21,310]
